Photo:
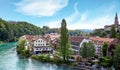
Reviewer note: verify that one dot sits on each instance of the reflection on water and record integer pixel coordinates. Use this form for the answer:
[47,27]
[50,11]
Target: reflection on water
[9,60]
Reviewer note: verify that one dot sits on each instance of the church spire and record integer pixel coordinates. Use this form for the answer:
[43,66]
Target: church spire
[116,17]
[116,22]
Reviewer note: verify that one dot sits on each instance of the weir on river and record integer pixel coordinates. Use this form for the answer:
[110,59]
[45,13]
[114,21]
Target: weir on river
[9,60]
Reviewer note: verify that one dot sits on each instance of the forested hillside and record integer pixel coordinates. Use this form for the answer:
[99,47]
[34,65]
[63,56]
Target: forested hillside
[11,31]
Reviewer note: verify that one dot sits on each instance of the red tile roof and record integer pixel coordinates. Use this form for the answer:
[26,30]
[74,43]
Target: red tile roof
[52,35]
[32,37]
[98,40]
[75,39]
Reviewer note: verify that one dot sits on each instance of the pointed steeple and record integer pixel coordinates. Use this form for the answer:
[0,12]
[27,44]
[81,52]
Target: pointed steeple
[116,22]
[116,17]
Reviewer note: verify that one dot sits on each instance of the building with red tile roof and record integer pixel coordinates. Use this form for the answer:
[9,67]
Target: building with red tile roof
[37,43]
[98,42]
[52,36]
[76,43]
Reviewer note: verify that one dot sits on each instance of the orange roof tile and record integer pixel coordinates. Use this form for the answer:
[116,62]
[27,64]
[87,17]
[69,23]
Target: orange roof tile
[99,40]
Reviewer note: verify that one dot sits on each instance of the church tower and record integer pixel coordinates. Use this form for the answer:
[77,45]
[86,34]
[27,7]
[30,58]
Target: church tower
[116,22]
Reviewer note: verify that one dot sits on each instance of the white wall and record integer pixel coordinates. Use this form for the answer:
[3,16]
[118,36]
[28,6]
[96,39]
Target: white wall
[40,42]
[41,49]
[84,40]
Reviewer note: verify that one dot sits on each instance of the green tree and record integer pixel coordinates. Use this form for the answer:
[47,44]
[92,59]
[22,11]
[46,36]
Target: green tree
[21,46]
[11,31]
[118,36]
[104,49]
[91,49]
[116,58]
[63,40]
[84,50]
[87,50]
[68,51]
[113,32]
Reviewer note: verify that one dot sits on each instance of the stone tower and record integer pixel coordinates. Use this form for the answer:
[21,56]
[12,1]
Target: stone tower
[116,22]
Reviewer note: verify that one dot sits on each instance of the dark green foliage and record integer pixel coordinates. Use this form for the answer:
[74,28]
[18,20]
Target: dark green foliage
[11,32]
[25,53]
[118,36]
[87,50]
[113,32]
[77,33]
[46,29]
[21,48]
[64,45]
[116,58]
[44,58]
[91,49]
[99,32]
[104,49]
[84,50]
[105,61]
[63,39]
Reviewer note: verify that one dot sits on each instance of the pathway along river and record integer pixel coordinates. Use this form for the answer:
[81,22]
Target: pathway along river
[9,60]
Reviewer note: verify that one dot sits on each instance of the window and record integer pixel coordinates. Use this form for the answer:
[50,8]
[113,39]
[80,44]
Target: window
[36,48]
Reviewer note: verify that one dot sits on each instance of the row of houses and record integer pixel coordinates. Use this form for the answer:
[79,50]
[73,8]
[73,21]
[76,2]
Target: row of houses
[49,42]
[38,44]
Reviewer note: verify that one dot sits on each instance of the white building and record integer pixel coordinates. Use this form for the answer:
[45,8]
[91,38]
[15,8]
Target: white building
[98,42]
[41,45]
[37,44]
[76,44]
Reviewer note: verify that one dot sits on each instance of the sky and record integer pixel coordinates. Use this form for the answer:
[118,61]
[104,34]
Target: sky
[79,14]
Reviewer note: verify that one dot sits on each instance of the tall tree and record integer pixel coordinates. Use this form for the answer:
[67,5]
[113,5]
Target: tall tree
[104,49]
[68,51]
[63,39]
[113,32]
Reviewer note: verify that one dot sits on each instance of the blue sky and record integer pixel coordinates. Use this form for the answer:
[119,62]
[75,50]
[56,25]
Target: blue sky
[79,14]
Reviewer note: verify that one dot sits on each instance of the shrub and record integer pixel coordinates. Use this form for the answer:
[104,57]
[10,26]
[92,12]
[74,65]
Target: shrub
[41,57]
[105,62]
[35,57]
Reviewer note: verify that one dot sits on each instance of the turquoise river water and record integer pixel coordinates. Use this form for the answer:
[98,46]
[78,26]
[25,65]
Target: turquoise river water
[9,60]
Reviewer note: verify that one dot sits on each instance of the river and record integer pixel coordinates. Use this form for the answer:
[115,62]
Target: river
[9,60]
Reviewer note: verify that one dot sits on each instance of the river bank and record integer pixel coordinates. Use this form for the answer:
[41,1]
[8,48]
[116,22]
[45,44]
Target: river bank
[10,60]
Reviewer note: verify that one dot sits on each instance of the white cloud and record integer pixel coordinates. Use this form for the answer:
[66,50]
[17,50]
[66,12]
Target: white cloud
[40,7]
[99,22]
[54,24]
[80,20]
[75,15]
[84,16]
[83,21]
